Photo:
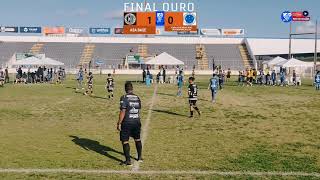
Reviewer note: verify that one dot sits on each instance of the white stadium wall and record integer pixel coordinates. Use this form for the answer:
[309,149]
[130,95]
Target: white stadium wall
[258,46]
[281,46]
[128,39]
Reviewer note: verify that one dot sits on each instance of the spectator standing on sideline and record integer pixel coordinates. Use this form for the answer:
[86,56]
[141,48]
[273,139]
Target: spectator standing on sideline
[240,79]
[144,75]
[274,78]
[2,77]
[317,81]
[228,75]
[220,79]
[161,76]
[164,74]
[282,78]
[294,78]
[6,71]
[268,78]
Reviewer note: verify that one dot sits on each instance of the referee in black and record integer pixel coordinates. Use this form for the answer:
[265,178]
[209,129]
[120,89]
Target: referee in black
[129,123]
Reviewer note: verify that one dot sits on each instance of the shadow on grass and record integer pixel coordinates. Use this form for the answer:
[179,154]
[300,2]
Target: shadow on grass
[170,113]
[68,87]
[92,145]
[99,97]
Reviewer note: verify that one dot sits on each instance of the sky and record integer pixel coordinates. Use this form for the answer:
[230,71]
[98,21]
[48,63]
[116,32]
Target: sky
[259,18]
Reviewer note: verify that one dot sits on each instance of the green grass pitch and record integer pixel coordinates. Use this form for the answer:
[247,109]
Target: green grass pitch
[258,129]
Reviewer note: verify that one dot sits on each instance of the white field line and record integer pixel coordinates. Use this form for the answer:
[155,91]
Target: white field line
[191,172]
[145,128]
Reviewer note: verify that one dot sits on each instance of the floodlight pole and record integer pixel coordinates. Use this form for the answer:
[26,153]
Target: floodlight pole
[316,49]
[290,41]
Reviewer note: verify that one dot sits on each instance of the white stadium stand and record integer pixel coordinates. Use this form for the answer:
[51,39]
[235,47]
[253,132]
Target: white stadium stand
[233,53]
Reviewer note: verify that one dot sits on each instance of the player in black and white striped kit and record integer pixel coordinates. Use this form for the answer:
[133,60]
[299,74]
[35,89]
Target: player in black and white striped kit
[110,86]
[193,96]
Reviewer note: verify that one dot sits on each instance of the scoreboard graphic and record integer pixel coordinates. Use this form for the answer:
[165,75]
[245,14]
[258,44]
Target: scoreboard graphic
[147,22]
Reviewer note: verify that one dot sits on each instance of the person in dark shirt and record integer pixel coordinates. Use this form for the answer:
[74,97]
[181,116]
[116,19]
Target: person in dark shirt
[90,84]
[274,78]
[60,76]
[228,74]
[110,86]
[193,96]
[144,75]
[129,123]
[2,77]
[220,75]
[6,72]
[164,74]
[268,82]
[294,78]
[317,80]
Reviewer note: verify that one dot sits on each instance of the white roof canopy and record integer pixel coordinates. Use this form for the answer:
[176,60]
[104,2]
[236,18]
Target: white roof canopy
[275,61]
[38,61]
[165,59]
[292,63]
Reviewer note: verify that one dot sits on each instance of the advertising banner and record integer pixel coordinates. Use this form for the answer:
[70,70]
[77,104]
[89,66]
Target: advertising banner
[118,30]
[232,32]
[210,32]
[30,30]
[75,30]
[99,30]
[188,33]
[53,30]
[9,29]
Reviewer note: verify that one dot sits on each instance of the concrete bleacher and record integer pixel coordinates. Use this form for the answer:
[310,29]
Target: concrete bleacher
[112,50]
[226,55]
[68,53]
[112,54]
[7,50]
[183,52]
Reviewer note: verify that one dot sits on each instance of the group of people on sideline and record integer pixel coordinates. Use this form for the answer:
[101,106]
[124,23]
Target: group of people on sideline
[41,75]
[249,77]
[161,78]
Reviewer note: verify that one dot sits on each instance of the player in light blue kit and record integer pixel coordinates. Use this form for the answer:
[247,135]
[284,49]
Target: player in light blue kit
[180,83]
[80,80]
[213,86]
[317,81]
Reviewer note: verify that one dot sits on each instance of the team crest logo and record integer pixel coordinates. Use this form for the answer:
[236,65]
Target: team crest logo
[189,19]
[286,16]
[160,18]
[130,19]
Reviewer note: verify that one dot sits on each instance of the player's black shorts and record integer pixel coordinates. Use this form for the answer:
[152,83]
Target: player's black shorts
[130,130]
[193,102]
[251,79]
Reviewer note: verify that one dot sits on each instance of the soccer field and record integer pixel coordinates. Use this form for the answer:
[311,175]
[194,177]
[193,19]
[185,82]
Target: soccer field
[249,130]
